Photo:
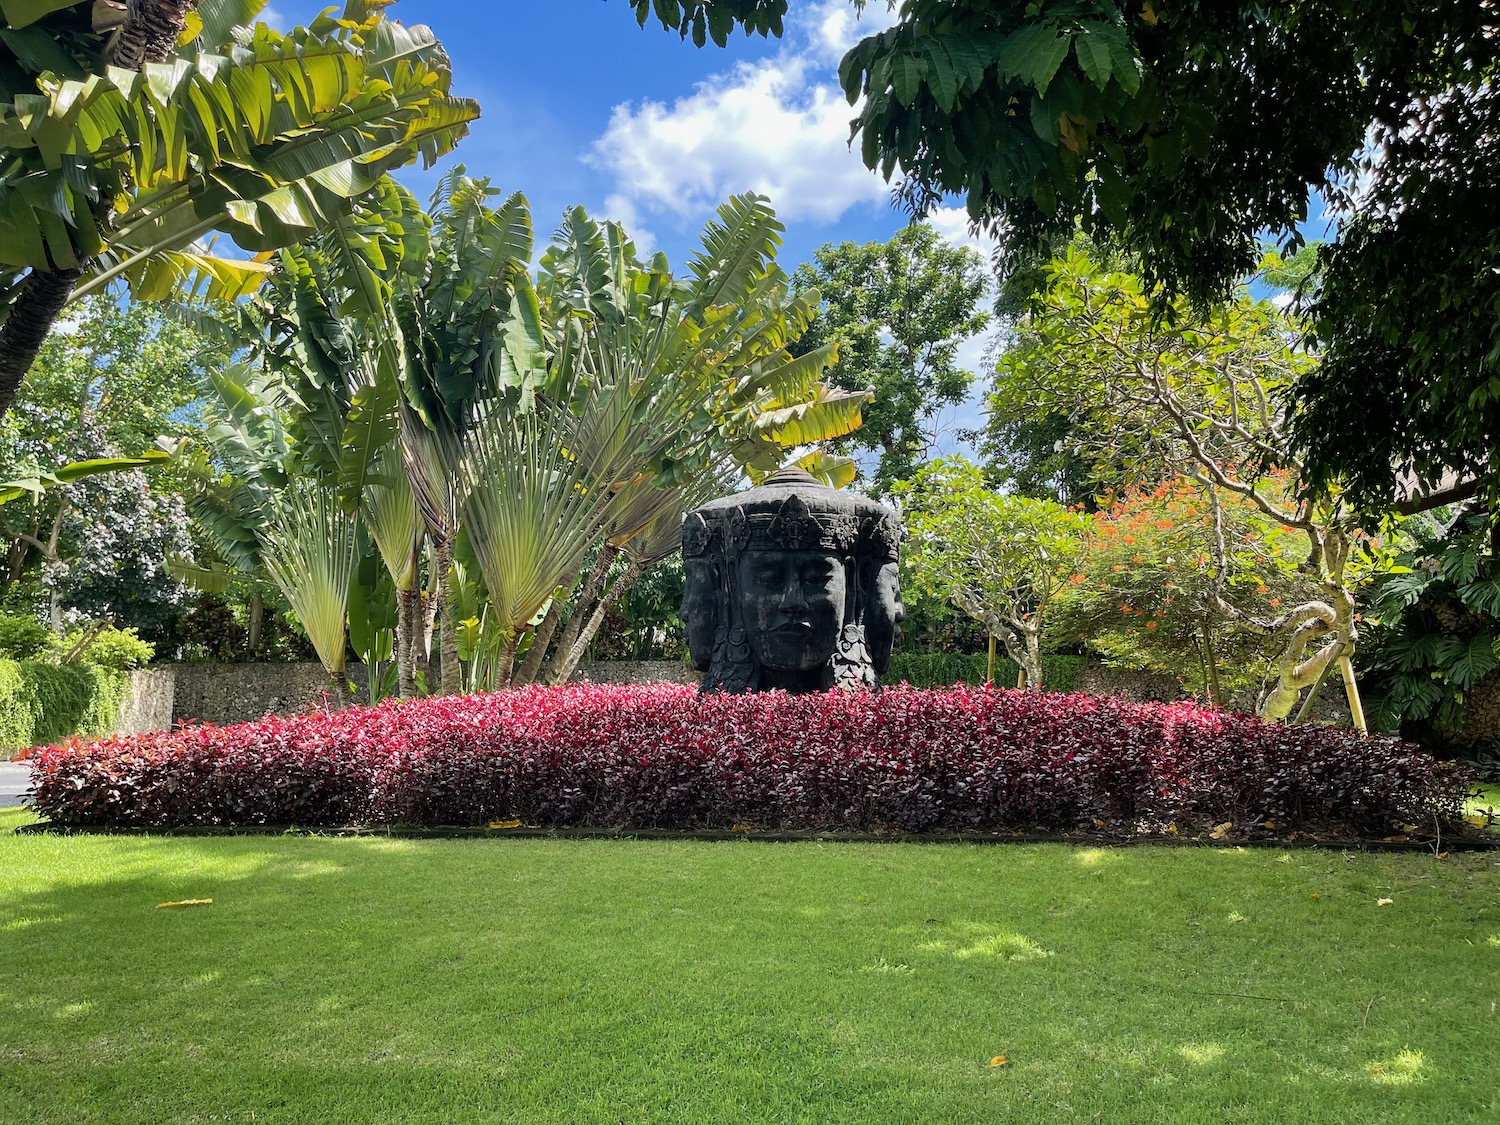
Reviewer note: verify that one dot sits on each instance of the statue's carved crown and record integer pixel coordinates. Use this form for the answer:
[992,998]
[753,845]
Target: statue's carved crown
[808,520]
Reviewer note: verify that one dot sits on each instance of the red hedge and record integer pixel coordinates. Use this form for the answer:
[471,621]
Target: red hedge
[665,757]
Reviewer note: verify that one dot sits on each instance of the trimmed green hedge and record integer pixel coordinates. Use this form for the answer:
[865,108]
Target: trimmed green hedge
[944,669]
[45,703]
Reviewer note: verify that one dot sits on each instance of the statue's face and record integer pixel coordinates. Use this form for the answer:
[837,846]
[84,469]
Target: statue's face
[700,610]
[792,606]
[884,615]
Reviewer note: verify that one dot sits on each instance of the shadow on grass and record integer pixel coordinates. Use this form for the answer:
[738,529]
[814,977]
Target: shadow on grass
[583,981]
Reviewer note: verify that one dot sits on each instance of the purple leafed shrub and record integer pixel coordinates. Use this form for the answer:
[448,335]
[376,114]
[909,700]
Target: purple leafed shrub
[662,756]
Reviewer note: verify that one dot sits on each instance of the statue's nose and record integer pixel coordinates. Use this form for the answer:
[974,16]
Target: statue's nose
[792,596]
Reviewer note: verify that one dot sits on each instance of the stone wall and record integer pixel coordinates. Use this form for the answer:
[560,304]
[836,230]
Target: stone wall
[232,693]
[637,672]
[1122,683]
[237,693]
[149,704]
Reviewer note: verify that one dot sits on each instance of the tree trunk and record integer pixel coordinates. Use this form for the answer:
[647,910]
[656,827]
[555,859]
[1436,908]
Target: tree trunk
[570,660]
[1033,663]
[555,673]
[540,640]
[452,671]
[38,303]
[506,661]
[1294,673]
[341,690]
[422,639]
[54,611]
[408,619]
[256,623]
[149,33]
[1211,669]
[1351,691]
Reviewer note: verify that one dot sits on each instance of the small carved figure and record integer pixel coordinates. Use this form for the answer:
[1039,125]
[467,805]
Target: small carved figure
[791,585]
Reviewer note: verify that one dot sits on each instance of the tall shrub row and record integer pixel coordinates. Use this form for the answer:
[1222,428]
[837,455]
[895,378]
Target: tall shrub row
[944,669]
[41,703]
[662,756]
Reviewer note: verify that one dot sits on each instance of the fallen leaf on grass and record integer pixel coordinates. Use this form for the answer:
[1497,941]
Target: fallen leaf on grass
[1316,897]
[505,824]
[186,902]
[999,1060]
[1384,901]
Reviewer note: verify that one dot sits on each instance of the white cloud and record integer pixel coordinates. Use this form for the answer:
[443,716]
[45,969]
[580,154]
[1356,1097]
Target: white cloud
[779,126]
[624,211]
[953,224]
[832,27]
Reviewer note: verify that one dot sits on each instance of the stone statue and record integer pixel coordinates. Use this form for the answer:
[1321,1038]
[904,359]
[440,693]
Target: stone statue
[791,585]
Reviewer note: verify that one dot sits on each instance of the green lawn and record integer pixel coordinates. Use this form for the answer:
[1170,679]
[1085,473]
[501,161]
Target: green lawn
[373,980]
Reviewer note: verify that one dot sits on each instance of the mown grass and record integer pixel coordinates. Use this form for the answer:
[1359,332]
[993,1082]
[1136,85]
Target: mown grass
[576,981]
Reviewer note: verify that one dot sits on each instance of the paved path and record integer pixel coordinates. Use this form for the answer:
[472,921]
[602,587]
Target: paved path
[15,777]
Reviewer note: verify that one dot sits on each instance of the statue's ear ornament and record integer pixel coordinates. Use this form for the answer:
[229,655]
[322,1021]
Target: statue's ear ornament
[697,536]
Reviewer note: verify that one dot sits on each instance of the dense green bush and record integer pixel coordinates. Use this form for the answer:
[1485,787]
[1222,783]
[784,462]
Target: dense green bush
[43,703]
[16,719]
[21,636]
[116,650]
[943,669]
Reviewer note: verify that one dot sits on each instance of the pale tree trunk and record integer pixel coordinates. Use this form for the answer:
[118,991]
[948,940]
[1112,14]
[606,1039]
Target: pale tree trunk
[569,661]
[1021,637]
[1032,665]
[1211,669]
[1296,671]
[256,623]
[554,673]
[1329,544]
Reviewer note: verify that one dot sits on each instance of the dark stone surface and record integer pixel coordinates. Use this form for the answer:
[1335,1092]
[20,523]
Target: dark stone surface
[791,585]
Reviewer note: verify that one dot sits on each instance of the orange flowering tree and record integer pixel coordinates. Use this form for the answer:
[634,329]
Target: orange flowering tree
[1002,560]
[1198,394]
[1140,596]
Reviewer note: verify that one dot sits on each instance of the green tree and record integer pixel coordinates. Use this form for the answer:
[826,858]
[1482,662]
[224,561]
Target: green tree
[1002,560]
[130,134]
[898,311]
[1202,400]
[1190,131]
[1143,596]
[103,392]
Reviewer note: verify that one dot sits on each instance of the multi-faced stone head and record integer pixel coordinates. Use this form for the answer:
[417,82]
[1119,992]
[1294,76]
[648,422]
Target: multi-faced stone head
[791,585]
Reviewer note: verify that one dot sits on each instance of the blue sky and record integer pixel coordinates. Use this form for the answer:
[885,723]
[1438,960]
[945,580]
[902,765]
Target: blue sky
[580,105]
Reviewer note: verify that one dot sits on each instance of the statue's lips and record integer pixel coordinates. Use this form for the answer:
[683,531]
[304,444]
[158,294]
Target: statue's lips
[797,629]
